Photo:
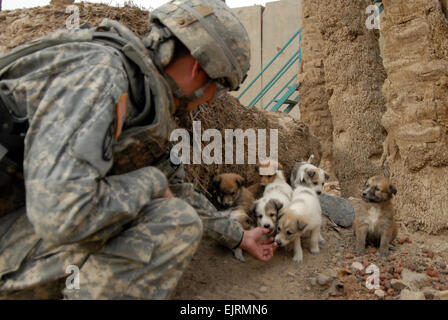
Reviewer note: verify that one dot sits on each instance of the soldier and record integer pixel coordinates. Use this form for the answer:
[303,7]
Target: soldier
[93,99]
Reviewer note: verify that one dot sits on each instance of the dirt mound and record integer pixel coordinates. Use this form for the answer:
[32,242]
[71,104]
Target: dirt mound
[416,89]
[294,139]
[20,26]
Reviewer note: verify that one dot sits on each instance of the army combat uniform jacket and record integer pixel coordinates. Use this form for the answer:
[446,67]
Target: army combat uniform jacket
[90,100]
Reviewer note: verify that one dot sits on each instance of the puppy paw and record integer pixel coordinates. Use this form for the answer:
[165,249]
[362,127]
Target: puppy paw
[384,252]
[297,260]
[315,251]
[238,254]
[322,241]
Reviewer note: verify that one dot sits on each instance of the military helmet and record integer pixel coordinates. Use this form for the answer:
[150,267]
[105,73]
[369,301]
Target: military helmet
[213,34]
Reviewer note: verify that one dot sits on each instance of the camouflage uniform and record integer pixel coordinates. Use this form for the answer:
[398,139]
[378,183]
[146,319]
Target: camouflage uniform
[80,208]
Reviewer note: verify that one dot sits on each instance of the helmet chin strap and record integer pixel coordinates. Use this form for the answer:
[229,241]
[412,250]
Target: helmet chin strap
[184,100]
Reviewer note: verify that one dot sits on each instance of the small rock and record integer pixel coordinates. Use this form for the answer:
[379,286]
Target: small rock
[430,254]
[323,279]
[365,262]
[411,295]
[349,256]
[263,289]
[443,266]
[402,241]
[371,250]
[443,295]
[414,280]
[390,291]
[430,271]
[313,281]
[357,266]
[398,284]
[380,293]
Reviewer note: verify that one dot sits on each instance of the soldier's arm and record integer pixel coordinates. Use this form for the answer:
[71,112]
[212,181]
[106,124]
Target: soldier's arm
[68,154]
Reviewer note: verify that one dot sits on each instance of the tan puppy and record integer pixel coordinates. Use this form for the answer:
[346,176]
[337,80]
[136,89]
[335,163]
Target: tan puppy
[267,171]
[301,217]
[374,215]
[231,193]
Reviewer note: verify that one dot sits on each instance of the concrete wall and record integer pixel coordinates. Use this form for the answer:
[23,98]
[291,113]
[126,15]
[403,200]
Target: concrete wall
[269,30]
[251,17]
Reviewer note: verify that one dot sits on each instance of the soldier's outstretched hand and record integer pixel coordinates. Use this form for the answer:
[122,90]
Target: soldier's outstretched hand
[262,250]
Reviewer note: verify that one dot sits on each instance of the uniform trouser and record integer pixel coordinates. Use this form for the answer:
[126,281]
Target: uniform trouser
[144,261]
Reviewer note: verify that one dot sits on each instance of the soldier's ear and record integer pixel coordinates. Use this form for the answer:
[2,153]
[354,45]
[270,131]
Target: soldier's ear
[393,189]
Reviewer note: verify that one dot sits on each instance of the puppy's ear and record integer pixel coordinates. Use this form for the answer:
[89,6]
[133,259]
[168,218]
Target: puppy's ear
[217,181]
[280,215]
[252,213]
[239,180]
[310,173]
[327,176]
[301,225]
[393,189]
[277,204]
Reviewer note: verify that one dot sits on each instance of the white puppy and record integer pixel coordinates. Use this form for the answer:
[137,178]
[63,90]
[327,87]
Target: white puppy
[276,195]
[301,217]
[306,174]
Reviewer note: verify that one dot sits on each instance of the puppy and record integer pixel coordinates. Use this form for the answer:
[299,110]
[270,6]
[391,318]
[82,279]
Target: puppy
[276,195]
[246,222]
[231,193]
[266,171]
[374,216]
[306,174]
[301,217]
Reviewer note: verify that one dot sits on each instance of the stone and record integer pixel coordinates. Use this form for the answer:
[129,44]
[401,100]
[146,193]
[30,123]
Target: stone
[380,293]
[443,295]
[263,289]
[339,210]
[323,279]
[357,266]
[411,295]
[398,284]
[414,280]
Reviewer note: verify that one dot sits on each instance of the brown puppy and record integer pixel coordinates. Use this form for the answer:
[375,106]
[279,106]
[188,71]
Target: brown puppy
[231,193]
[374,216]
[271,167]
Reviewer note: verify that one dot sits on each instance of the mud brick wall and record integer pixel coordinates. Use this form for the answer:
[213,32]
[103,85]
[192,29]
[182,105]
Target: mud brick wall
[416,89]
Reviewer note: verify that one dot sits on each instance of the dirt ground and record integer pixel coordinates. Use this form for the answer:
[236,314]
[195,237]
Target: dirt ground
[215,274]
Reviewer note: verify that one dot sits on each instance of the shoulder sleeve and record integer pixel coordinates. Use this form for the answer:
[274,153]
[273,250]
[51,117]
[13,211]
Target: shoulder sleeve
[68,152]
